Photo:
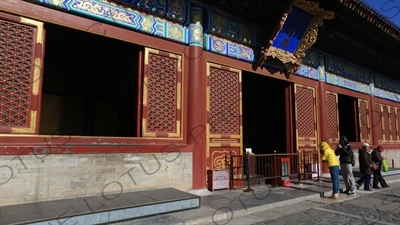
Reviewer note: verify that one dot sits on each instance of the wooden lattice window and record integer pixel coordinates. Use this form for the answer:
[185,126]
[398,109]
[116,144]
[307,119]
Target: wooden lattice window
[162,94]
[378,118]
[305,112]
[21,54]
[224,105]
[333,116]
[364,121]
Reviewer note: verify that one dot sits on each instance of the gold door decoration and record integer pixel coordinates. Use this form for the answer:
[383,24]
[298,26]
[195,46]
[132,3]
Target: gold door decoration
[162,94]
[224,114]
[333,116]
[364,120]
[221,159]
[21,63]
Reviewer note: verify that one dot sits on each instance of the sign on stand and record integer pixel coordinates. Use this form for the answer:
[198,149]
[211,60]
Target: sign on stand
[218,179]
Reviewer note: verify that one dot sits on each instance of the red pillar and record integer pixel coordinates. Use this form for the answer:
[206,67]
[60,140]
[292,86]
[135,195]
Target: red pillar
[197,114]
[323,119]
[373,127]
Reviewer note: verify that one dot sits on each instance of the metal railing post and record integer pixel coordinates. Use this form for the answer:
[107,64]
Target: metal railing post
[232,185]
[275,171]
[318,167]
[248,174]
[299,168]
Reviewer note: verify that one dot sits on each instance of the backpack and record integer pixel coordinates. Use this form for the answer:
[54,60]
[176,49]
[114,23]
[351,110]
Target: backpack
[353,158]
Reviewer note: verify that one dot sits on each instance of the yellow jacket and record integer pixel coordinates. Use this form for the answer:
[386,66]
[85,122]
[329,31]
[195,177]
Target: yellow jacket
[328,155]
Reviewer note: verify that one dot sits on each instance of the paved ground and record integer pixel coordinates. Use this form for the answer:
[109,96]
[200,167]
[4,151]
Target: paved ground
[288,205]
[381,207]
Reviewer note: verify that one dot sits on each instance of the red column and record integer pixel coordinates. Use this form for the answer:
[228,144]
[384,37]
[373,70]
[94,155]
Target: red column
[373,127]
[197,114]
[323,119]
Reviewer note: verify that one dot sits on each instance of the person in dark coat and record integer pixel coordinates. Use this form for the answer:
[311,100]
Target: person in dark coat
[365,147]
[346,160]
[377,158]
[365,161]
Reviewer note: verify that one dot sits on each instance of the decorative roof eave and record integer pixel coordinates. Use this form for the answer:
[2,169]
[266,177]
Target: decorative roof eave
[373,16]
[293,61]
[357,26]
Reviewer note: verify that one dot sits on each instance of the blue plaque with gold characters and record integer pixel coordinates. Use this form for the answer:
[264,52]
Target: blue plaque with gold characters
[296,25]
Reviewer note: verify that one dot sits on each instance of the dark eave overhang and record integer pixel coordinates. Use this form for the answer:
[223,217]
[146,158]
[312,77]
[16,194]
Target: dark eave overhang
[373,17]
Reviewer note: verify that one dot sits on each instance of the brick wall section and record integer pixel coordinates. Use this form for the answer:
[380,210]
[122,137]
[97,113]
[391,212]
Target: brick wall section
[77,175]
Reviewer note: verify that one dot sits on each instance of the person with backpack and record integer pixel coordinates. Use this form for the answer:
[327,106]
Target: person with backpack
[347,161]
[329,157]
[377,158]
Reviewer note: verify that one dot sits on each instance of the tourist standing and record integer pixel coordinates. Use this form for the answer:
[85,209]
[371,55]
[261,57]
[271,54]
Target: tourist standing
[329,157]
[365,161]
[377,158]
[346,159]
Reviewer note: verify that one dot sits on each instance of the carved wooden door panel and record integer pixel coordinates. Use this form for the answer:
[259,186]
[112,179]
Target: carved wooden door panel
[364,120]
[392,124]
[306,124]
[162,90]
[21,70]
[379,123]
[387,123]
[224,115]
[306,117]
[333,116]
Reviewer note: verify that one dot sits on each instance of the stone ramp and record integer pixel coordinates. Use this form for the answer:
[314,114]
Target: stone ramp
[100,209]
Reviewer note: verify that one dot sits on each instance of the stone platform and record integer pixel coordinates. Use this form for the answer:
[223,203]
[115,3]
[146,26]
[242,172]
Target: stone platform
[101,209]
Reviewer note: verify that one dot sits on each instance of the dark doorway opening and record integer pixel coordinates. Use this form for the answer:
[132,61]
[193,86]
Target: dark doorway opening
[89,84]
[265,115]
[348,117]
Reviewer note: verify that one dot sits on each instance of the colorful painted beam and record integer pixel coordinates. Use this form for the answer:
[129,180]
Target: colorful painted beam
[387,95]
[228,48]
[129,18]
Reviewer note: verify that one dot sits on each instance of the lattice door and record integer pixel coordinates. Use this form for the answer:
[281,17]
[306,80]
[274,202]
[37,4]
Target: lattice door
[388,123]
[224,114]
[21,66]
[162,94]
[392,124]
[364,120]
[385,123]
[333,116]
[378,119]
[306,117]
[306,124]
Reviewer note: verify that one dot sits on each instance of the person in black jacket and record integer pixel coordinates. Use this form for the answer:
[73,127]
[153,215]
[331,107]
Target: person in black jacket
[346,164]
[377,158]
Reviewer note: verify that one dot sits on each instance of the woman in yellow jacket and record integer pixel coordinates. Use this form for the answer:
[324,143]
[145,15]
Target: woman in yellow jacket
[329,157]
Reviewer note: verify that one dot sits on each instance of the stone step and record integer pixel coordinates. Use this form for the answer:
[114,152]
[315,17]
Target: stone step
[392,171]
[100,209]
